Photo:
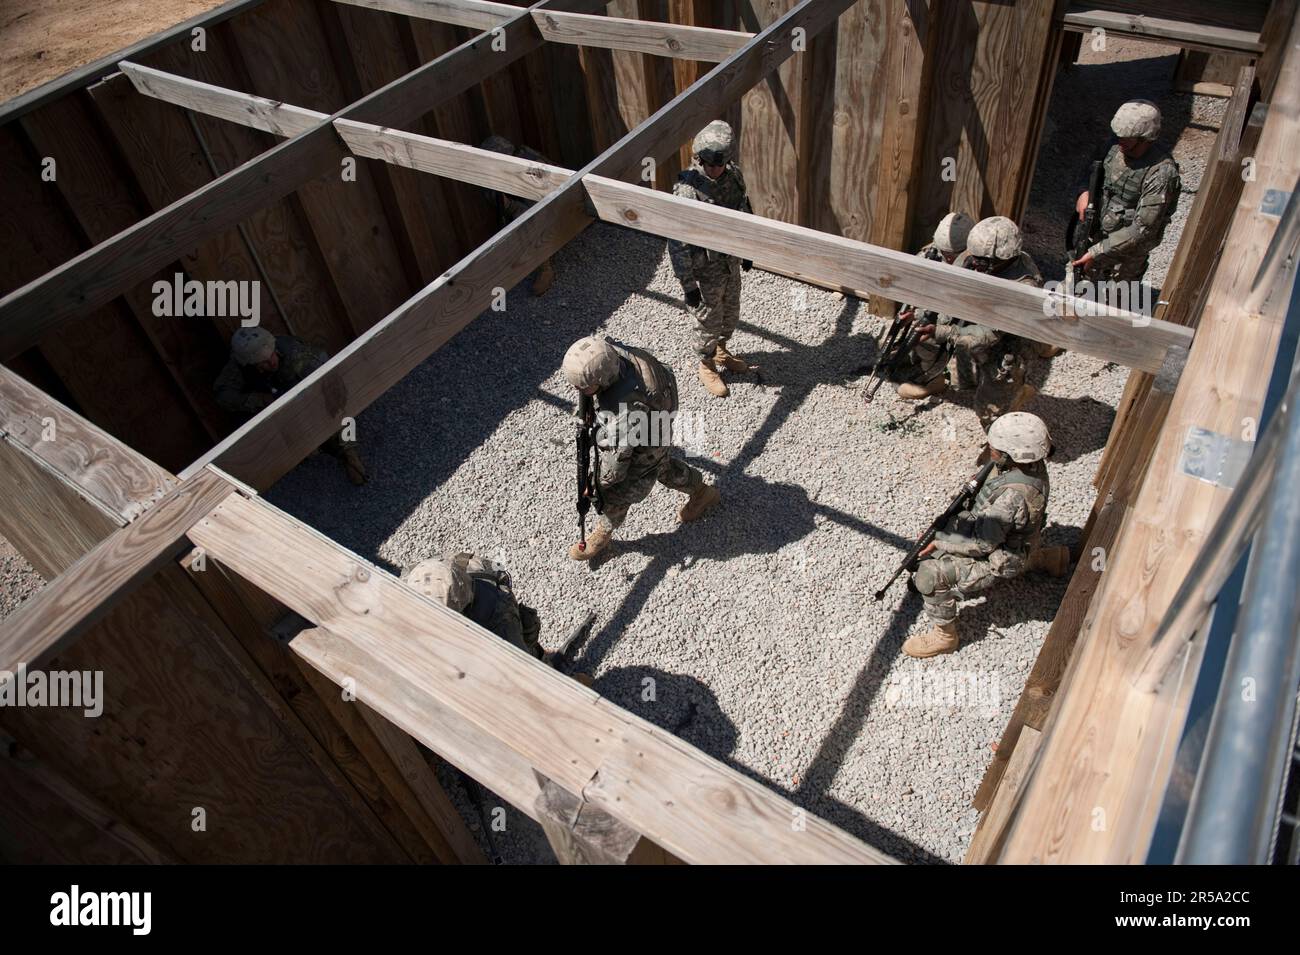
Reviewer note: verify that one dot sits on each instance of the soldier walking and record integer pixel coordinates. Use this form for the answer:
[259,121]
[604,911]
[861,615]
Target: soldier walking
[262,367]
[711,280]
[636,397]
[996,539]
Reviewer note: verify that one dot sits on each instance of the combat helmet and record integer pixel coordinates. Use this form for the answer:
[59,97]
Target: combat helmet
[713,144]
[996,238]
[591,362]
[952,233]
[252,346]
[1136,119]
[442,581]
[1021,435]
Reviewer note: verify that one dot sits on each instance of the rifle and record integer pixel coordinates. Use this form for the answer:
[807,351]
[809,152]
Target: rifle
[588,466]
[1081,235]
[965,497]
[900,339]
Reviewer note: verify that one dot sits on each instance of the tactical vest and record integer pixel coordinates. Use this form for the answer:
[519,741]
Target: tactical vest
[1030,480]
[728,190]
[494,606]
[642,380]
[1122,183]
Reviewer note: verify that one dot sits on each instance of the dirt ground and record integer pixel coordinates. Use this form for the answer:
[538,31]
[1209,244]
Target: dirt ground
[40,40]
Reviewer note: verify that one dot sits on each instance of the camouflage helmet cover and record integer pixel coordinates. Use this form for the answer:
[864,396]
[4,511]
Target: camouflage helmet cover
[714,140]
[442,581]
[952,232]
[996,237]
[590,362]
[1022,435]
[250,346]
[1136,119]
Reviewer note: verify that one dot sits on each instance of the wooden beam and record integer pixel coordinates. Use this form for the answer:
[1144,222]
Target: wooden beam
[1101,761]
[480,167]
[282,119]
[987,841]
[62,610]
[1008,306]
[703,44]
[476,14]
[1086,17]
[581,834]
[101,273]
[692,805]
[276,440]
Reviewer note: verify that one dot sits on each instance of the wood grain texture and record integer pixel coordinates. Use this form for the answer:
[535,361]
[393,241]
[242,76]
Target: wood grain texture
[1088,16]
[279,438]
[581,834]
[481,167]
[987,841]
[1103,747]
[479,14]
[66,607]
[693,806]
[771,116]
[686,42]
[1008,306]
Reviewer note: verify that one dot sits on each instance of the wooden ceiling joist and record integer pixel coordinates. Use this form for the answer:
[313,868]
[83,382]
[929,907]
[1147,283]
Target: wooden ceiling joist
[1197,26]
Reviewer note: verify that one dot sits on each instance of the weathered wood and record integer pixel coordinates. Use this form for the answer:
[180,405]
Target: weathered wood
[1102,750]
[1008,306]
[687,802]
[281,436]
[660,39]
[987,841]
[1088,16]
[582,834]
[66,607]
[478,14]
[482,167]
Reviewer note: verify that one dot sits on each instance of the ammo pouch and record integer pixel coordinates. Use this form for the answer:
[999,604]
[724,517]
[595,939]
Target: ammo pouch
[1008,563]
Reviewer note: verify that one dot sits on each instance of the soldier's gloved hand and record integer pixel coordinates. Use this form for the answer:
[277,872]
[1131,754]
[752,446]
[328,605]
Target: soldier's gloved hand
[1081,204]
[693,298]
[746,265]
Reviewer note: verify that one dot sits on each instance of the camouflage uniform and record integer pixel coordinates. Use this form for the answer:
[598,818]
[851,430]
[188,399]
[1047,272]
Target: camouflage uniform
[989,542]
[717,275]
[1139,195]
[921,364]
[634,457]
[994,360]
[494,607]
[244,391]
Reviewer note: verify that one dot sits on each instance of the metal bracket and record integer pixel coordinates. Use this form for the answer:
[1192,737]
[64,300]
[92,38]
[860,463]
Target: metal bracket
[1214,458]
[1274,202]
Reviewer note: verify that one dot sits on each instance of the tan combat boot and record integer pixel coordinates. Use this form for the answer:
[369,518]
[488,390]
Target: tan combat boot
[544,278]
[911,392]
[712,380]
[356,471]
[597,541]
[702,498]
[730,362]
[1052,561]
[940,638]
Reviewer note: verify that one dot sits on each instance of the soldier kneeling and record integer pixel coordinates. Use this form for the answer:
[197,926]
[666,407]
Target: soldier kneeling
[996,539]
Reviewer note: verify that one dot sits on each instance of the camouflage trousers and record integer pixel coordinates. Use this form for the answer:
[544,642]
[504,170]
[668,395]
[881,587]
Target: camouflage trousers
[945,580]
[649,466]
[996,387]
[719,309]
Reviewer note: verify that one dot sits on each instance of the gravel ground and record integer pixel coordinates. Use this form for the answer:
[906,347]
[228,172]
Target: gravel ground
[755,625]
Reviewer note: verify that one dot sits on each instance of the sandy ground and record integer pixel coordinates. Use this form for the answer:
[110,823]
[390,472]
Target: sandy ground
[40,40]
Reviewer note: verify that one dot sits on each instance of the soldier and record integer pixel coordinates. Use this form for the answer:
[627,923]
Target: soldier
[711,280]
[509,208]
[635,398]
[993,361]
[996,539]
[480,589]
[926,378]
[263,367]
[1140,191]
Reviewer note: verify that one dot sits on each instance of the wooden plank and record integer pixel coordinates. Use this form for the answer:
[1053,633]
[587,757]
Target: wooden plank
[987,74]
[99,274]
[1272,36]
[481,167]
[692,805]
[1101,751]
[1008,306]
[581,834]
[91,72]
[1086,17]
[659,39]
[64,609]
[771,115]
[478,14]
[280,437]
[95,187]
[987,841]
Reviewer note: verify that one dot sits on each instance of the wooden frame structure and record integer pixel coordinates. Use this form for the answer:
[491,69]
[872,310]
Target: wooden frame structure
[606,785]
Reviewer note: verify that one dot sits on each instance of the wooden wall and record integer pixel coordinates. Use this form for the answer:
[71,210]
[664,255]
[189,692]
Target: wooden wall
[848,137]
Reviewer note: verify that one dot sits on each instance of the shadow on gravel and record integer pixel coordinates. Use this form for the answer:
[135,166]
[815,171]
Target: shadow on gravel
[681,704]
